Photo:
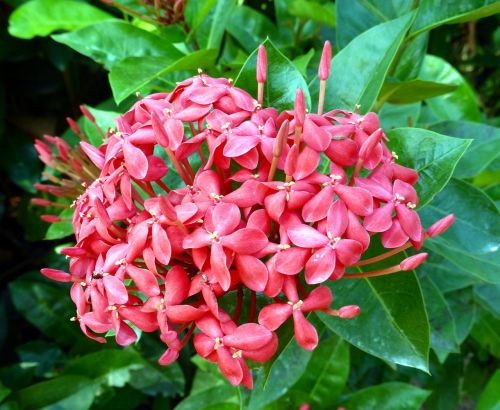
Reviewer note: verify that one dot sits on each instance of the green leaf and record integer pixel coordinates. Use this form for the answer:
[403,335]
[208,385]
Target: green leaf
[302,61]
[196,11]
[311,10]
[109,367]
[250,28]
[218,22]
[285,370]
[133,73]
[353,18]
[326,373]
[357,76]
[393,329]
[487,333]
[462,104]
[488,296]
[104,120]
[283,79]
[471,243]
[433,13]
[42,17]
[411,60]
[443,332]
[220,397]
[64,393]
[387,396]
[463,308]
[4,392]
[59,230]
[483,150]
[112,41]
[490,397]
[399,115]
[407,92]
[433,155]
[46,306]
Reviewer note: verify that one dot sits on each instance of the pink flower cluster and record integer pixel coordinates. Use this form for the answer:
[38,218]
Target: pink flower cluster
[255,214]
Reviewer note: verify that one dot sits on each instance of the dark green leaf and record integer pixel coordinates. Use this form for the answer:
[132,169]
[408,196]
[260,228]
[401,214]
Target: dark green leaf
[357,77]
[45,357]
[112,41]
[433,13]
[484,149]
[399,115]
[283,79]
[443,332]
[218,21]
[326,373]
[64,393]
[411,60]
[250,28]
[463,308]
[355,17]
[472,241]
[133,73]
[433,155]
[220,397]
[301,62]
[462,104]
[285,370]
[196,11]
[104,120]
[59,230]
[488,296]
[387,396]
[412,91]
[487,333]
[393,329]
[490,398]
[42,17]
[4,392]
[311,10]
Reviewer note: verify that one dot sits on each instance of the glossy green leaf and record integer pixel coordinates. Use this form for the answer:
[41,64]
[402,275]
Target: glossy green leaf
[484,149]
[4,392]
[219,397]
[109,367]
[408,92]
[462,104]
[196,11]
[441,320]
[433,13]
[46,306]
[326,373]
[59,230]
[64,393]
[490,397]
[463,308]
[488,296]
[286,369]
[357,77]
[433,155]
[471,243]
[487,333]
[393,329]
[42,17]
[301,62]
[311,10]
[354,17]
[387,396]
[104,120]
[399,115]
[131,74]
[250,28]
[210,32]
[112,41]
[411,60]
[283,79]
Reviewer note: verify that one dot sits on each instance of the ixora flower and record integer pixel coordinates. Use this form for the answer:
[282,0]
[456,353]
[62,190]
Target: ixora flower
[251,214]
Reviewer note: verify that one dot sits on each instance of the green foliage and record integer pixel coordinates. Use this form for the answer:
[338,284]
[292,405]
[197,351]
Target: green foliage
[411,62]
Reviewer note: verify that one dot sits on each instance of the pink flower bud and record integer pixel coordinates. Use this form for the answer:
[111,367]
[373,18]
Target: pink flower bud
[74,126]
[50,218]
[299,109]
[74,252]
[261,64]
[87,113]
[349,311]
[56,274]
[413,261]
[441,226]
[324,65]
[280,140]
[369,144]
[304,406]
[40,202]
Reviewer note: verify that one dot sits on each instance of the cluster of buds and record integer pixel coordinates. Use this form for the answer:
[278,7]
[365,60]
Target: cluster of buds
[255,215]
[165,12]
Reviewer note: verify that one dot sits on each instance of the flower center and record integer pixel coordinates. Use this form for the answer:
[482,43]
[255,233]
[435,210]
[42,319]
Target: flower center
[218,343]
[296,305]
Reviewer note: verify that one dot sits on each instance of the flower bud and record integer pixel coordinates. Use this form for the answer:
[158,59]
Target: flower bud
[349,311]
[441,226]
[56,274]
[413,261]
[324,65]
[280,140]
[87,113]
[74,126]
[369,144]
[74,251]
[261,64]
[299,109]
[40,202]
[50,218]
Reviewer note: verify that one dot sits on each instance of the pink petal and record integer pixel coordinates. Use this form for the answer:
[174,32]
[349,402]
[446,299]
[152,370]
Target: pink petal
[176,286]
[116,291]
[308,163]
[317,208]
[275,204]
[170,356]
[406,190]
[319,298]
[320,265]
[249,336]
[239,145]
[292,260]
[229,367]
[394,237]
[197,239]
[206,95]
[184,313]
[315,137]
[209,325]
[226,218]
[125,335]
[56,274]
[219,267]
[147,322]
[337,219]
[135,160]
[273,316]
[252,271]
[137,238]
[161,244]
[203,344]
[264,353]
[193,112]
[245,241]
[306,236]
[358,200]
[348,251]
[343,152]
[305,333]
[144,279]
[380,220]
[410,222]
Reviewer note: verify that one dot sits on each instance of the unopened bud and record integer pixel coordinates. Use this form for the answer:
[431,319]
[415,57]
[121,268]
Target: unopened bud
[413,261]
[50,218]
[87,113]
[369,144]
[40,202]
[74,126]
[299,108]
[324,65]
[56,274]
[281,138]
[74,251]
[441,226]
[349,312]
[261,64]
